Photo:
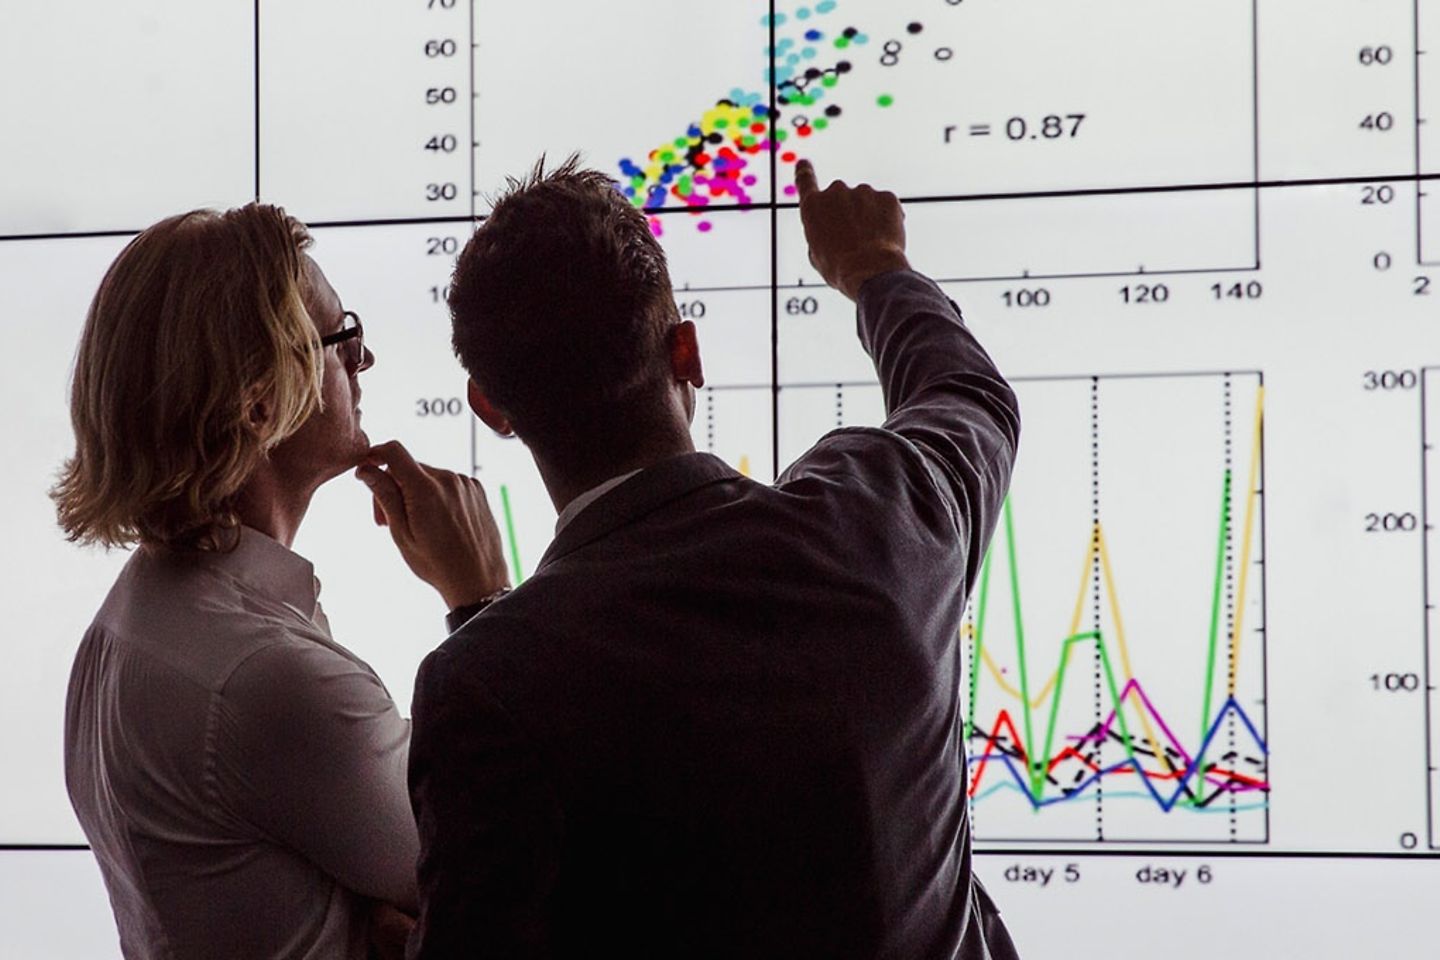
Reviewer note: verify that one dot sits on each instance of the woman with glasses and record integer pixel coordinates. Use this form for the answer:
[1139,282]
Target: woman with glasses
[240,775]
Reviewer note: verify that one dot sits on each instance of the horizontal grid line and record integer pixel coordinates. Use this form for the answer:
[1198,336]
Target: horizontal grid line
[1079,192]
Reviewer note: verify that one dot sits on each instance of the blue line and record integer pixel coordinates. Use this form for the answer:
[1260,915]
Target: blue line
[1128,795]
[1166,805]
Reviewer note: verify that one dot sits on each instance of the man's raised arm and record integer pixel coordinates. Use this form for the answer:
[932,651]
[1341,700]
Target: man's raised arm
[942,391]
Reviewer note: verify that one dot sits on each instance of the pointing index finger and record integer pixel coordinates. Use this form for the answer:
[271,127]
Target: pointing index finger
[805,181]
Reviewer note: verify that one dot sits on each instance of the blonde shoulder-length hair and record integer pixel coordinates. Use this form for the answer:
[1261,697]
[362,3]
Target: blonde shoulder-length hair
[198,356]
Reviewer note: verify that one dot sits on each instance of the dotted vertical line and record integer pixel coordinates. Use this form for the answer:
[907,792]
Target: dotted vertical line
[710,419]
[1229,418]
[839,405]
[968,736]
[1095,601]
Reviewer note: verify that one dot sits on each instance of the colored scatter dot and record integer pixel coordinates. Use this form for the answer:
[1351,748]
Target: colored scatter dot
[830,81]
[844,66]
[808,53]
[841,43]
[825,6]
[885,100]
[821,123]
[782,135]
[850,33]
[751,180]
[915,27]
[832,111]
[790,190]
[813,35]
[704,226]
[862,39]
[757,128]
[789,156]
[804,131]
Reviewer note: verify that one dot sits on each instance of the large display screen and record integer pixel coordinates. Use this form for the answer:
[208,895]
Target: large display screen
[1203,238]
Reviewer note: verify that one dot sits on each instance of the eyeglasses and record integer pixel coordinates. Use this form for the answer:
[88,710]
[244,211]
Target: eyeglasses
[351,338]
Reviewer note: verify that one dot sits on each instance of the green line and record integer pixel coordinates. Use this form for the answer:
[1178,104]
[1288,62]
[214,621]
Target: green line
[1038,779]
[1060,686]
[1215,617]
[1037,772]
[1020,640]
[979,641]
[510,531]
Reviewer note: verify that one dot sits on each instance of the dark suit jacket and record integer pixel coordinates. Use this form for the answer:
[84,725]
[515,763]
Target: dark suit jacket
[723,719]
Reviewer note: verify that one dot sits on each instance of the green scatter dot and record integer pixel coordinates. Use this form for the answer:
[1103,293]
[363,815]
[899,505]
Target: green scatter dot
[637,181]
[841,43]
[782,135]
[821,124]
[886,100]
[669,156]
[681,142]
[722,124]
[830,81]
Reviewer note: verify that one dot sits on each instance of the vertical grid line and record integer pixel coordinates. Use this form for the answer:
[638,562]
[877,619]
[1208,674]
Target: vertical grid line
[774,254]
[257,100]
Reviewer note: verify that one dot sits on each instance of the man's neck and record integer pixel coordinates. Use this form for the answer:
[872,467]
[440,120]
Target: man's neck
[564,485]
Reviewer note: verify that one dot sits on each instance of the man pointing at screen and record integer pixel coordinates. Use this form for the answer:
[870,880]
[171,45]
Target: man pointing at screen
[722,719]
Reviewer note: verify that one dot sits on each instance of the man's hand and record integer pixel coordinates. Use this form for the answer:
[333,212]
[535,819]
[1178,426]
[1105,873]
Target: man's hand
[441,523]
[854,233]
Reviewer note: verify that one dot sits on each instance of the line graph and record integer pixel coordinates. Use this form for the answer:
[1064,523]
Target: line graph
[1108,753]
[1123,700]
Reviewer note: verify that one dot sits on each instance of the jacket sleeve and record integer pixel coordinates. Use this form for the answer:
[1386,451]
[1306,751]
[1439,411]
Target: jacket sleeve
[947,406]
[490,823]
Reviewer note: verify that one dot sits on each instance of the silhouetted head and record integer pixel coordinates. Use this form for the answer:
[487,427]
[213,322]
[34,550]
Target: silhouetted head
[202,360]
[565,320]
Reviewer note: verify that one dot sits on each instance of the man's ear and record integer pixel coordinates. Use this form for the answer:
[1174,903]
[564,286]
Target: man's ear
[487,411]
[685,355]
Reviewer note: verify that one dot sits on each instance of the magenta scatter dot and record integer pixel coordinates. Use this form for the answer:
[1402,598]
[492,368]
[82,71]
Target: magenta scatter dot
[717,158]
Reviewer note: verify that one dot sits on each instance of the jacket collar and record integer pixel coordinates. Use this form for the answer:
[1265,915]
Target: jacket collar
[643,493]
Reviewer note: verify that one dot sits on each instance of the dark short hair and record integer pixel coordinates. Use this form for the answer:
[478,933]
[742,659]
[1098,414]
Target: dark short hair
[561,304]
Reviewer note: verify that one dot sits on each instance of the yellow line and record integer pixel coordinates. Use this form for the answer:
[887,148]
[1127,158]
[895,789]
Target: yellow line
[968,633]
[1251,498]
